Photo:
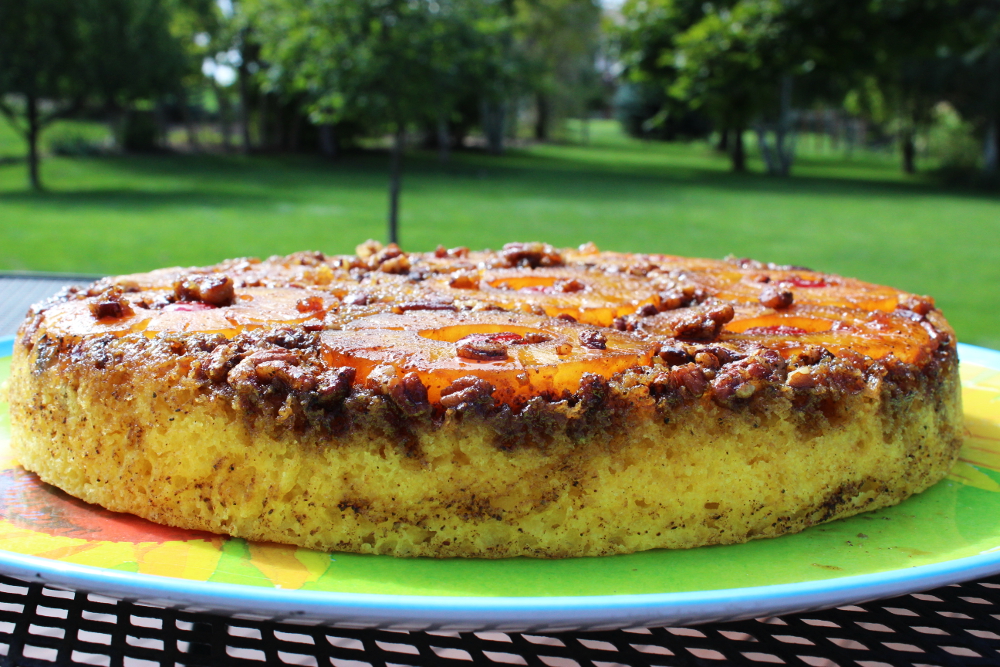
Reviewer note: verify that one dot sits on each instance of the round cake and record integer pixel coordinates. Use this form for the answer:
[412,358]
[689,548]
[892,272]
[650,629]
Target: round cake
[532,401]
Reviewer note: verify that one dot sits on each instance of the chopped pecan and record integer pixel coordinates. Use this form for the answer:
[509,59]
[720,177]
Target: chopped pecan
[803,378]
[398,264]
[647,310]
[368,249]
[334,385]
[568,286]
[357,299]
[921,305]
[706,360]
[383,378]
[306,258]
[773,297]
[681,297]
[410,395]
[536,337]
[674,356]
[741,379]
[221,361]
[214,289]
[623,324]
[279,367]
[530,254]
[691,377]
[593,339]
[810,355]
[467,390]
[111,304]
[478,347]
[310,304]
[704,323]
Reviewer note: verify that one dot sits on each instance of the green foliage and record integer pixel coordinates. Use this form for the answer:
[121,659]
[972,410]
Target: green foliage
[57,56]
[385,62]
[41,45]
[78,139]
[951,140]
[128,50]
[749,61]
[558,42]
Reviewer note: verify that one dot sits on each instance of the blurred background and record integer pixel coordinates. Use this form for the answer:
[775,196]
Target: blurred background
[859,137]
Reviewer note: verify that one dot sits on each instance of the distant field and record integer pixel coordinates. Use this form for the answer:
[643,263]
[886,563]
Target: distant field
[857,216]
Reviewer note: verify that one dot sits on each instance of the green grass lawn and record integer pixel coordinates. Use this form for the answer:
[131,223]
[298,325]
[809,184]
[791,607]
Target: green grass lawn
[858,216]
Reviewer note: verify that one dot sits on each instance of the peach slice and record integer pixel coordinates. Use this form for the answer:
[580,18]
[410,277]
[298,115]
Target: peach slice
[522,355]
[588,296]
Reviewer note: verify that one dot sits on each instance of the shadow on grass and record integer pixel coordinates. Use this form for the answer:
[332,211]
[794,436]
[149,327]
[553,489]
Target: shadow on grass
[628,174]
[719,178]
[136,199]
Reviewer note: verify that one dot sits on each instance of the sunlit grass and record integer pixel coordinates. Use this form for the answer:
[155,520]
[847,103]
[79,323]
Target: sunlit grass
[856,216]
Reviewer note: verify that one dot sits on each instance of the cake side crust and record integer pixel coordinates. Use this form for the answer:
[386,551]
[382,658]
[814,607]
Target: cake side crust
[158,440]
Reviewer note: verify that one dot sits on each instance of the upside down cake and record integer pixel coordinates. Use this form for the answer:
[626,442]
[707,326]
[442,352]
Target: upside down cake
[531,401]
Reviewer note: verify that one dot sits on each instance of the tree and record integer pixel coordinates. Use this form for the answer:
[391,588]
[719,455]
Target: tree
[40,73]
[729,63]
[559,42]
[647,41]
[128,54]
[386,63]
[968,72]
[59,56]
[907,40]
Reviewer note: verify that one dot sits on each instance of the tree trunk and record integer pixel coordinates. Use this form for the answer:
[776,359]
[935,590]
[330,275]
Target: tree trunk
[991,147]
[295,131]
[443,139]
[116,123]
[190,127]
[493,121]
[738,155]
[328,140]
[225,115]
[909,152]
[784,143]
[32,137]
[723,145]
[244,106]
[395,181]
[542,114]
[766,151]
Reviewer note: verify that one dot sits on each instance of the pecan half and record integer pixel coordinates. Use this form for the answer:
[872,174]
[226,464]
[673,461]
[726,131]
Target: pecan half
[773,297]
[214,289]
[593,339]
[467,390]
[112,304]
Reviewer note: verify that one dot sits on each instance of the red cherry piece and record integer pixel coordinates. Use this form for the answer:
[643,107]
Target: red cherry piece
[188,306]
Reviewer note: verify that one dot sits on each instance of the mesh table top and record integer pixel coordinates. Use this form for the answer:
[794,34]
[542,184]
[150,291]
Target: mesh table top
[19,291]
[40,625]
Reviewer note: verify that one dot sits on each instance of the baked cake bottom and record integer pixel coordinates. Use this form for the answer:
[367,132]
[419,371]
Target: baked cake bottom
[152,441]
